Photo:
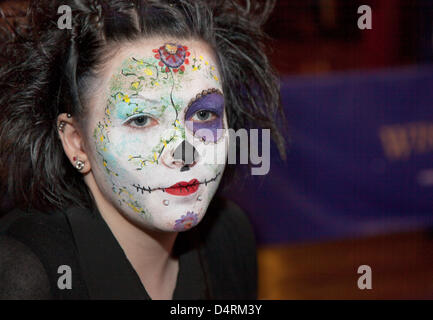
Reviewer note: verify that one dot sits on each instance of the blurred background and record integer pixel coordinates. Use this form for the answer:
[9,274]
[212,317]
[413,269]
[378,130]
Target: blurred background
[357,186]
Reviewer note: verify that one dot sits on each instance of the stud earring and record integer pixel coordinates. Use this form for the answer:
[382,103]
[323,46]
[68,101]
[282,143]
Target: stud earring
[79,165]
[62,126]
[199,198]
[69,115]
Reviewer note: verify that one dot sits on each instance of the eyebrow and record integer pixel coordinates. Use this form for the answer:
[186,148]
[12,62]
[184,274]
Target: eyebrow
[203,94]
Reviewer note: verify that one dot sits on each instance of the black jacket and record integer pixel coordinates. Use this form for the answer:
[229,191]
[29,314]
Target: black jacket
[217,258]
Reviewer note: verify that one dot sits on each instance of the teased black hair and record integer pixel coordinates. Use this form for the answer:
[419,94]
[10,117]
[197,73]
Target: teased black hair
[45,70]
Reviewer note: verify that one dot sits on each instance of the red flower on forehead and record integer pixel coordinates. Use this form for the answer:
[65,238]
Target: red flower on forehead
[172,56]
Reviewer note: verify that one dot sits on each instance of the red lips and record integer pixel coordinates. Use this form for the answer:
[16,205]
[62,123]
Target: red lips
[183,188]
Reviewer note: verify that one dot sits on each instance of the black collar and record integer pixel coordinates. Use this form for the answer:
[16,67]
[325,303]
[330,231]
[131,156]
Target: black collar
[109,274]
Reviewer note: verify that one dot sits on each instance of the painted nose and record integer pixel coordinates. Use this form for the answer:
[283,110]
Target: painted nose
[184,156]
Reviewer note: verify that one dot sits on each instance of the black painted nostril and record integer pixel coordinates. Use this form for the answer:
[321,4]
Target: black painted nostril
[184,168]
[185,152]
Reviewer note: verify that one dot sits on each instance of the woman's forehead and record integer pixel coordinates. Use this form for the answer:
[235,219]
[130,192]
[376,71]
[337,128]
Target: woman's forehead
[159,68]
[149,48]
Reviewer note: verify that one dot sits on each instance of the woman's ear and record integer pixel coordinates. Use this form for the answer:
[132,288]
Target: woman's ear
[73,143]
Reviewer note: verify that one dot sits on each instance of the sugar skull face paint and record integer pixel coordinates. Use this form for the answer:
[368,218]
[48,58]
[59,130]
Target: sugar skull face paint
[158,97]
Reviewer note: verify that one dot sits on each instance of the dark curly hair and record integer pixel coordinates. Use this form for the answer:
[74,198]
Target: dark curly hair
[46,71]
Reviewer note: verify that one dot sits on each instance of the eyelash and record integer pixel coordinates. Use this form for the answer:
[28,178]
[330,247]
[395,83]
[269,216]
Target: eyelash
[137,116]
[211,112]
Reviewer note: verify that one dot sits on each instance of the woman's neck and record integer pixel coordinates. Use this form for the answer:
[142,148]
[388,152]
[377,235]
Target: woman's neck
[149,252]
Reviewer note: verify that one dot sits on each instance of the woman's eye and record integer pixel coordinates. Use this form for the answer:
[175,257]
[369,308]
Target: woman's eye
[141,122]
[204,116]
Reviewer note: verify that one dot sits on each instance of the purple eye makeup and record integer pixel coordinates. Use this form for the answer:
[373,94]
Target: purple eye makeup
[206,111]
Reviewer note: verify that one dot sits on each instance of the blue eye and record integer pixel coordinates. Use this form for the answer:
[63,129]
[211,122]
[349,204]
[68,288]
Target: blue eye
[141,121]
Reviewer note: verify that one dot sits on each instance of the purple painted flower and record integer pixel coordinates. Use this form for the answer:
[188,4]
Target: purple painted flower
[172,56]
[186,222]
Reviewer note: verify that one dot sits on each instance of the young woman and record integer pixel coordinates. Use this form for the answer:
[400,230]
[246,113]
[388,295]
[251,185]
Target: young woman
[113,138]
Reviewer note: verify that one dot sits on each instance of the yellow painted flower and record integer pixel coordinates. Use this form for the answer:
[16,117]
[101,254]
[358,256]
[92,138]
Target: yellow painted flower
[216,78]
[135,84]
[155,156]
[148,72]
[156,83]
[206,63]
[212,68]
[102,138]
[130,157]
[105,163]
[107,111]
[126,98]
[133,207]
[194,68]
[201,58]
[177,121]
[165,143]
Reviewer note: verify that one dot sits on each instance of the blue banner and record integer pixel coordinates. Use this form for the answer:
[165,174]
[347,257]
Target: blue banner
[360,161]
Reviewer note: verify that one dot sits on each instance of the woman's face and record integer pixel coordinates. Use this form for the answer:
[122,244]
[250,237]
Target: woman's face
[157,132]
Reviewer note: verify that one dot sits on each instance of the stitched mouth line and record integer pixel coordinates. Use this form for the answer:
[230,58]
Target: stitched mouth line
[149,189]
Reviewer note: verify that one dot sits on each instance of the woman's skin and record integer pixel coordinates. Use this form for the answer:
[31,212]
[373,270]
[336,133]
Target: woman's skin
[147,99]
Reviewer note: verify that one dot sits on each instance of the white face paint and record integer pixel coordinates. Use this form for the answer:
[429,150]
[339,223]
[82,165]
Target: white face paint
[157,96]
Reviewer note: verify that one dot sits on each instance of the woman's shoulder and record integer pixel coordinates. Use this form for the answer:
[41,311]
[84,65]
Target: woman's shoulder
[41,240]
[22,275]
[33,226]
